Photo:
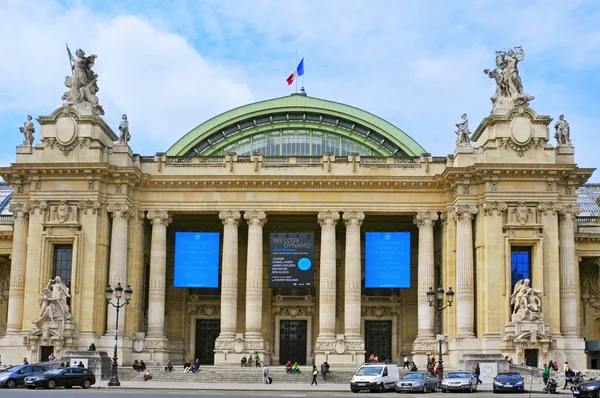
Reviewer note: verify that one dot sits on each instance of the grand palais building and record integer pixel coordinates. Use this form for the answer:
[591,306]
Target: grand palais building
[302,229]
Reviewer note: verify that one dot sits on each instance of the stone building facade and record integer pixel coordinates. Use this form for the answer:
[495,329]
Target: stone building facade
[502,206]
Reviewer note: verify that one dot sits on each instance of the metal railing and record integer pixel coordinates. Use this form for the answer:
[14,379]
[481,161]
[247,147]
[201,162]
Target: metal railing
[588,220]
[7,219]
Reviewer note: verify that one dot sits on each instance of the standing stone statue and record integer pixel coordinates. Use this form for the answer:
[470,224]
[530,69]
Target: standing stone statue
[27,130]
[509,87]
[124,136]
[563,132]
[463,133]
[526,302]
[83,83]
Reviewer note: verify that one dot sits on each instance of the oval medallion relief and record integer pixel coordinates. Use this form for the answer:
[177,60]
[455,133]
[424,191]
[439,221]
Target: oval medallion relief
[66,130]
[521,129]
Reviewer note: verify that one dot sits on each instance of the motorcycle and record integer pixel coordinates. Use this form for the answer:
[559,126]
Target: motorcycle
[551,386]
[578,378]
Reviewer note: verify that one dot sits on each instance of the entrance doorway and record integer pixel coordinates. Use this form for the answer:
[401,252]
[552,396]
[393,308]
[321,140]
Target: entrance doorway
[45,352]
[378,339]
[531,357]
[292,341]
[207,331]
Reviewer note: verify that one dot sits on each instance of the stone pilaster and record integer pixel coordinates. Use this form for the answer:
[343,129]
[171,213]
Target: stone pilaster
[118,259]
[254,282]
[465,289]
[425,317]
[569,272]
[158,273]
[18,266]
[229,275]
[135,310]
[327,292]
[352,287]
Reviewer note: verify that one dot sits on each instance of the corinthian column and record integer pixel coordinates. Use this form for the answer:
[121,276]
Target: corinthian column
[425,319]
[118,259]
[568,271]
[158,273]
[465,289]
[328,221]
[254,283]
[229,274]
[18,265]
[352,315]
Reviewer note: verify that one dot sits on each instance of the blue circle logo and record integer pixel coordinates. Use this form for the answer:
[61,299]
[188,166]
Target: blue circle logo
[304,264]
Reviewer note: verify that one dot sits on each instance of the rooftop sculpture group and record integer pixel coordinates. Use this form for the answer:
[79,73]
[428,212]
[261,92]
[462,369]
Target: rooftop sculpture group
[83,84]
[509,88]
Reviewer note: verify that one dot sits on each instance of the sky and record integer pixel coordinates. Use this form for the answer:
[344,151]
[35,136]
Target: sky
[171,65]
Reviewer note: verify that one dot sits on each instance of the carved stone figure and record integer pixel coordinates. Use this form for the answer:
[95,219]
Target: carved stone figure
[509,87]
[124,136]
[27,130]
[526,302]
[463,133]
[54,302]
[83,83]
[563,132]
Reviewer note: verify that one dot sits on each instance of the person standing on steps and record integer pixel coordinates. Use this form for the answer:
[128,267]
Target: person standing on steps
[406,364]
[265,375]
[315,373]
[256,359]
[324,370]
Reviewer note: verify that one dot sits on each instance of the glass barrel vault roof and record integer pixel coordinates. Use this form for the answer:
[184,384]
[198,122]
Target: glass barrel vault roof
[296,125]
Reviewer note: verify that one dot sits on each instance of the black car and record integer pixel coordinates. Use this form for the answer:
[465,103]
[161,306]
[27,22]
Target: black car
[67,377]
[590,388]
[509,382]
[15,375]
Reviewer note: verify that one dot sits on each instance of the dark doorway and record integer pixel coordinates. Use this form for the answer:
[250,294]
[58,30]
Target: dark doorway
[207,331]
[45,352]
[531,357]
[378,340]
[292,342]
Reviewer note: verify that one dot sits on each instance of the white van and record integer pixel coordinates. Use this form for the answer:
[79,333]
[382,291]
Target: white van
[375,377]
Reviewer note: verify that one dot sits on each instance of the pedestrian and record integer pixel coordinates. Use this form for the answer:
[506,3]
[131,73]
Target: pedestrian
[142,366]
[51,357]
[92,347]
[147,375]
[566,367]
[546,374]
[406,364]
[296,368]
[187,366]
[569,373]
[428,358]
[288,367]
[265,374]
[314,375]
[244,361]
[62,363]
[169,366]
[25,362]
[376,359]
[324,370]
[524,363]
[81,365]
[413,367]
[196,366]
[478,373]
[256,359]
[371,358]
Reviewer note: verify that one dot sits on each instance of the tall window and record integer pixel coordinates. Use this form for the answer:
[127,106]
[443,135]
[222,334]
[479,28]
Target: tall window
[520,264]
[63,261]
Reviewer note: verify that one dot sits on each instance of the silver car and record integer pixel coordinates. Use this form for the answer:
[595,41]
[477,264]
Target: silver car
[416,381]
[461,381]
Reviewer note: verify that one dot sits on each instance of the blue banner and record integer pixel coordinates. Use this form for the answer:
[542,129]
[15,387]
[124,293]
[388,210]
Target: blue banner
[387,262]
[197,259]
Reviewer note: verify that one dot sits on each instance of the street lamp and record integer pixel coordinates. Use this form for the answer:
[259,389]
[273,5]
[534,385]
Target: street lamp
[111,294]
[437,299]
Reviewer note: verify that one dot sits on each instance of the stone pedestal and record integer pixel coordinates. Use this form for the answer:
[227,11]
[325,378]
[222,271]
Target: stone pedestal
[565,154]
[490,365]
[527,335]
[59,334]
[98,362]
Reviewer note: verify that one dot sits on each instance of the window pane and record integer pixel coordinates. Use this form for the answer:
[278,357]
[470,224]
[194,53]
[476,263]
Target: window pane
[520,264]
[63,255]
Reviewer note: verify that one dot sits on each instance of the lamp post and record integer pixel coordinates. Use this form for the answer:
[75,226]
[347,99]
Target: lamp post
[111,294]
[436,300]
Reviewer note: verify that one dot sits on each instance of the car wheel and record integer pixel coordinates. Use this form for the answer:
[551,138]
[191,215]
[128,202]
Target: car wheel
[11,383]
[494,390]
[598,394]
[51,384]
[87,384]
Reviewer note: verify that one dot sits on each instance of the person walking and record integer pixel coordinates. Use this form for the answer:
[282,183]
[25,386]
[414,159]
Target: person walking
[314,375]
[546,374]
[265,374]
[569,373]
[324,370]
[406,364]
[478,373]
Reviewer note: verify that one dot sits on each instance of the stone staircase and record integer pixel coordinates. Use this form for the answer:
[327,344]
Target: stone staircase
[246,375]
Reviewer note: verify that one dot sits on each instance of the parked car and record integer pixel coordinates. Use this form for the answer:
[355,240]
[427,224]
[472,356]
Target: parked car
[416,381]
[66,377]
[375,377]
[508,381]
[463,381]
[15,375]
[590,388]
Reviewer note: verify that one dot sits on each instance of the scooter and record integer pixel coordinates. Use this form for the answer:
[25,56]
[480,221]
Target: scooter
[551,387]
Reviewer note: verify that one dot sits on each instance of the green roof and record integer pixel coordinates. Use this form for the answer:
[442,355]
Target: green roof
[296,111]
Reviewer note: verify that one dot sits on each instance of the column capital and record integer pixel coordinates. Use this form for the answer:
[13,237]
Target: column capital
[569,212]
[464,212]
[353,218]
[119,210]
[89,205]
[328,217]
[549,206]
[230,217]
[20,210]
[425,218]
[255,217]
[491,207]
[159,217]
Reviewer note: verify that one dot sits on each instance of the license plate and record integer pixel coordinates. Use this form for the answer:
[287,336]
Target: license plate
[575,392]
[508,385]
[362,384]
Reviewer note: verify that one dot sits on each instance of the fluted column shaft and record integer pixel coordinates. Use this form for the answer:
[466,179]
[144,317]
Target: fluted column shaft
[352,304]
[254,282]
[158,273]
[229,274]
[569,272]
[18,266]
[465,288]
[425,319]
[118,260]
[328,221]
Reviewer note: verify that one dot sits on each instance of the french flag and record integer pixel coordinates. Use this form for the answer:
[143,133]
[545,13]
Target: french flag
[298,72]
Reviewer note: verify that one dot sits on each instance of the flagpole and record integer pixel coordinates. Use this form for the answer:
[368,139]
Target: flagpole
[296,68]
